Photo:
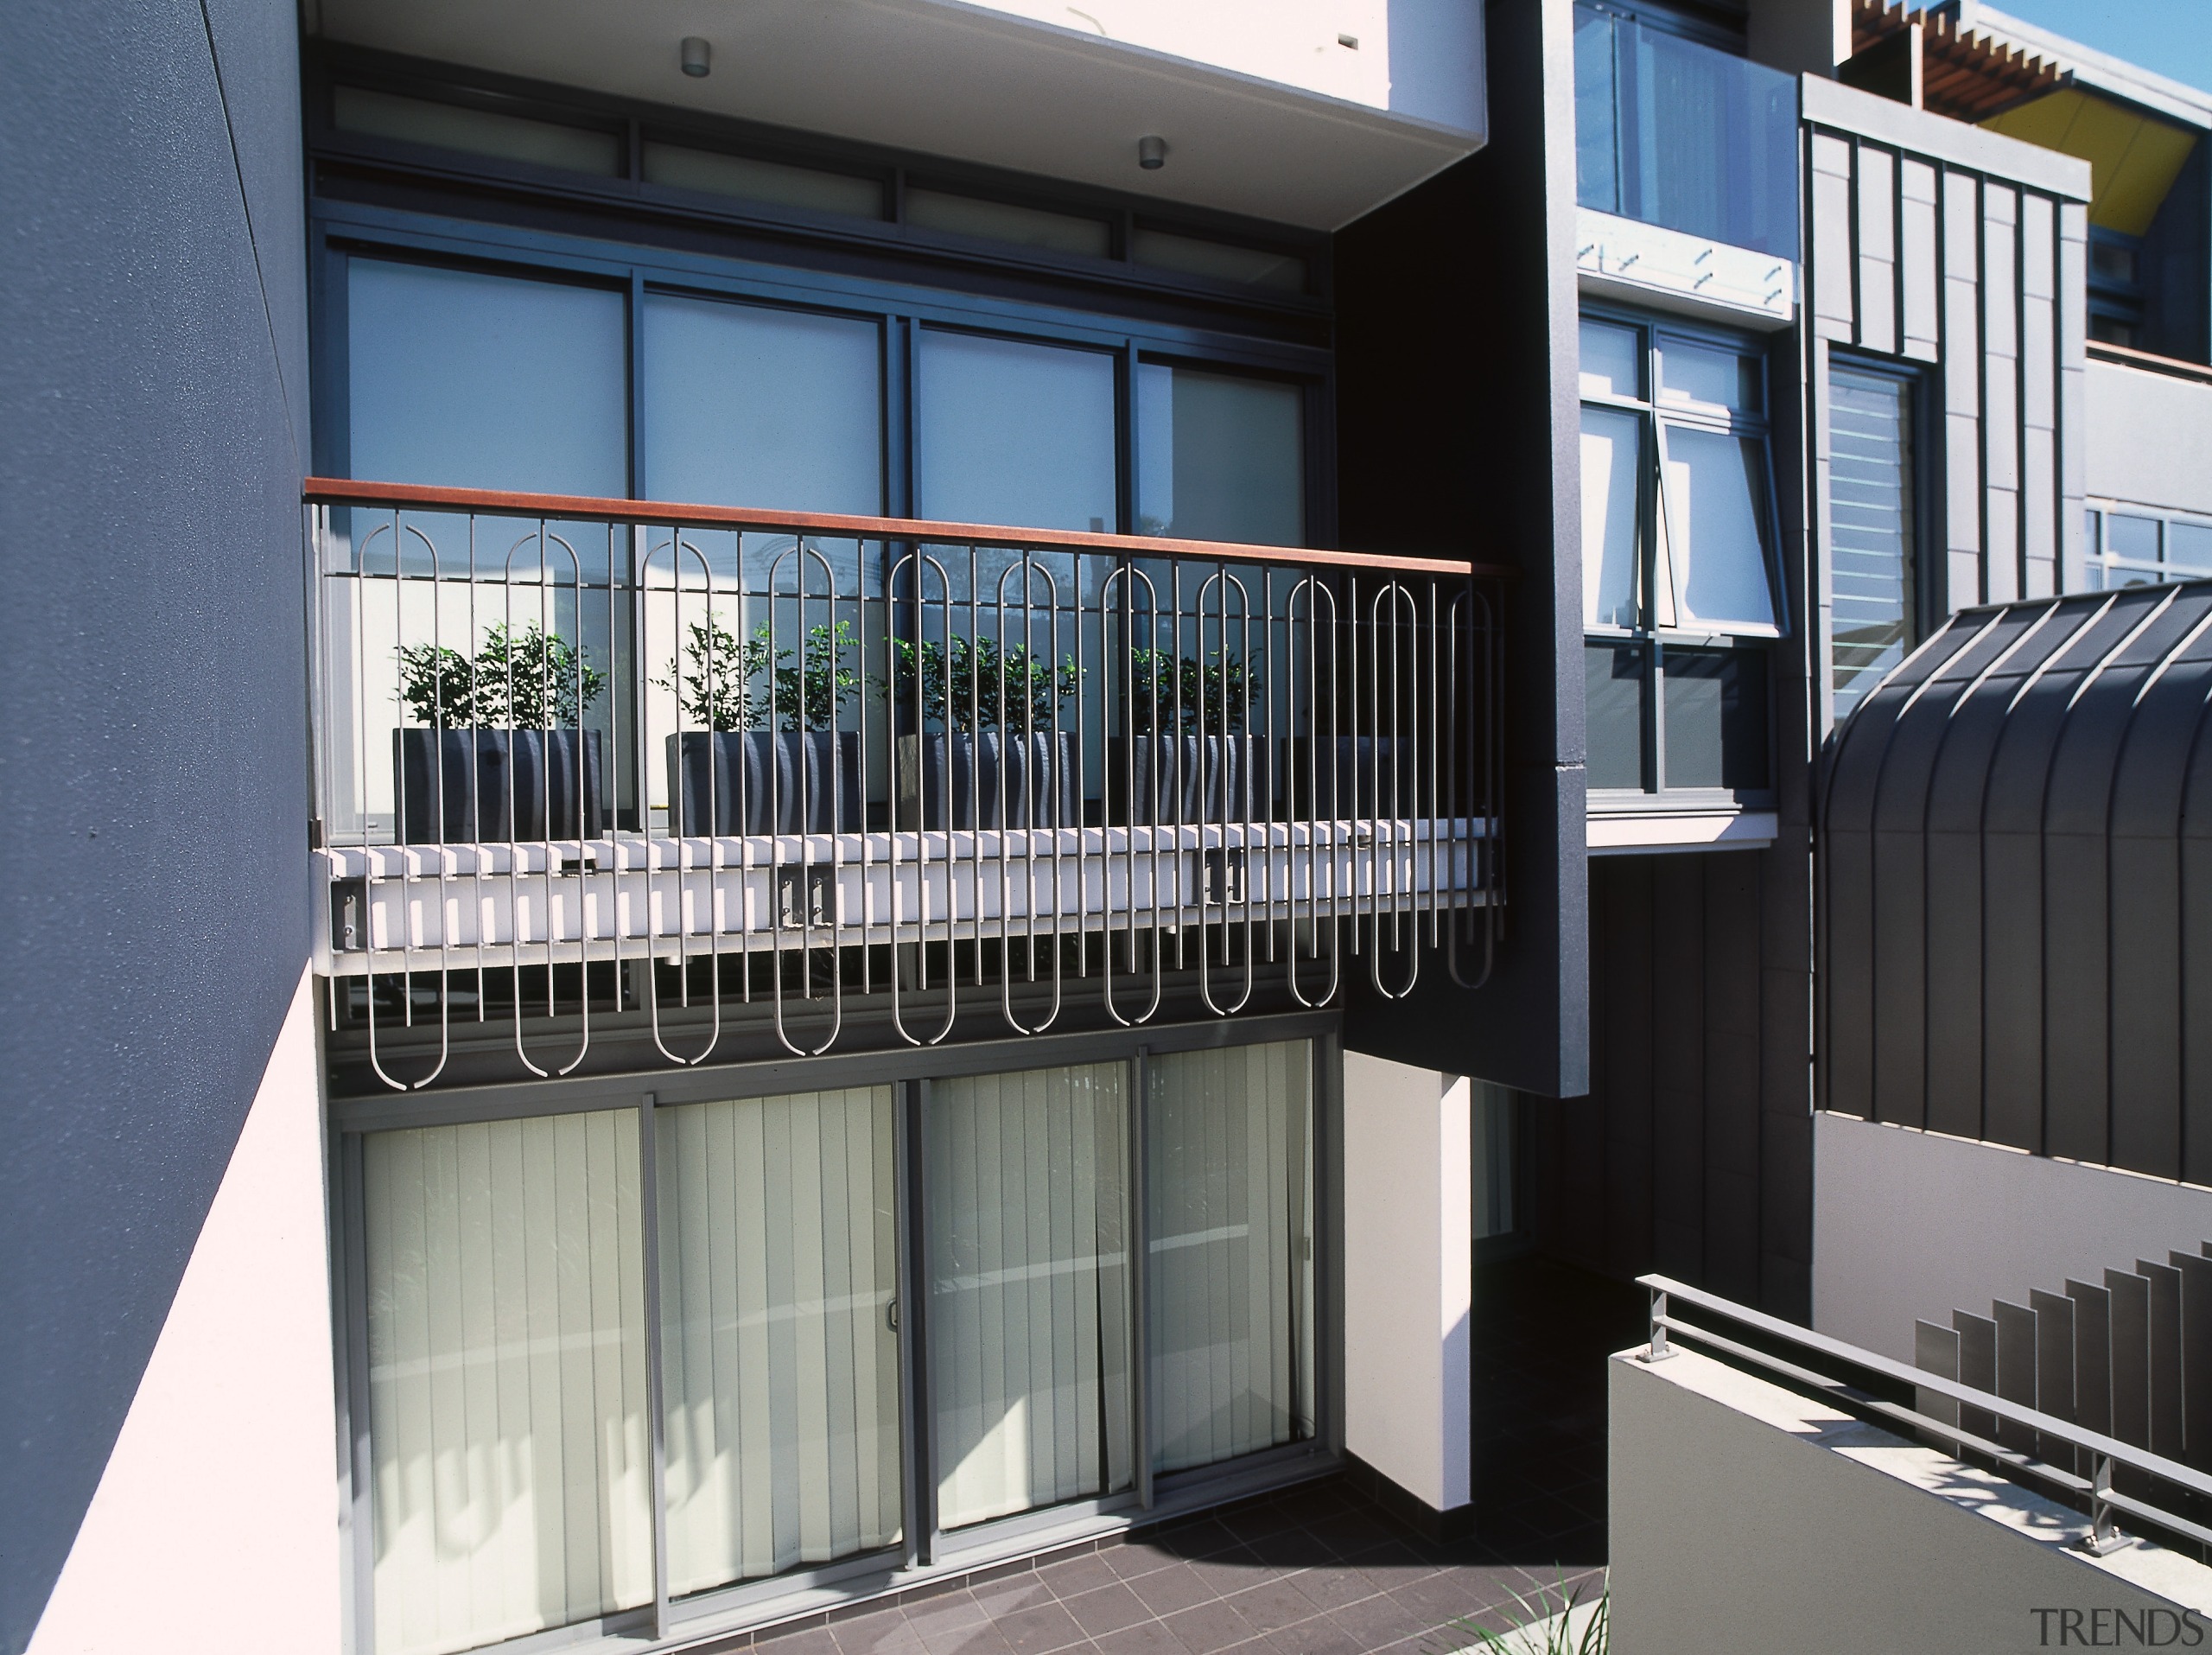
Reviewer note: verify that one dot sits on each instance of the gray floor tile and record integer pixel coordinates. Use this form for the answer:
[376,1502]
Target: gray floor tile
[1108,1609]
[1178,1587]
[1036,1631]
[1210,1627]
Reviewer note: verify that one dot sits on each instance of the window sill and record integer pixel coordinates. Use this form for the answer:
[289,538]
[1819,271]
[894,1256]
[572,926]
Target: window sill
[1621,833]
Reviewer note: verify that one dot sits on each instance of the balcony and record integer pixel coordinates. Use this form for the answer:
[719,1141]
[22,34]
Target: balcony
[1671,132]
[584,759]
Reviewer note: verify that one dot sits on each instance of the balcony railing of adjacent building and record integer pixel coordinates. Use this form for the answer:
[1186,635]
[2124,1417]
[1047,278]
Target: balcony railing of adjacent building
[1675,133]
[723,757]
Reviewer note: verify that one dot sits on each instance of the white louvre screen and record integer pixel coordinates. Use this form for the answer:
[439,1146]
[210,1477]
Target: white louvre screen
[1028,1325]
[779,1254]
[511,1456]
[1228,1196]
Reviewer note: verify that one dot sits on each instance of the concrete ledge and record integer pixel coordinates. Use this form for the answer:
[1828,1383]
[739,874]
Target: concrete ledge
[1746,1518]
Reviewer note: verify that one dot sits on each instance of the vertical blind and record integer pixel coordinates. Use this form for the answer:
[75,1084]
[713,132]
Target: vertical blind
[1228,1204]
[1028,1323]
[778,1258]
[509,1437]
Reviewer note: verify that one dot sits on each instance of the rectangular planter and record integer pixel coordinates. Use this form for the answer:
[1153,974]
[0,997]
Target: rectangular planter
[991,779]
[722,782]
[1343,777]
[1186,778]
[477,787]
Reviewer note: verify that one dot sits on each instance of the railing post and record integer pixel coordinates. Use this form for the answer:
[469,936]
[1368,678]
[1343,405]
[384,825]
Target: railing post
[2103,1537]
[1660,1349]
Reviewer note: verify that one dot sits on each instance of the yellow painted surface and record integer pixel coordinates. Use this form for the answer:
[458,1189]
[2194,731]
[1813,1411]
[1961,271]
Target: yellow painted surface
[2133,158]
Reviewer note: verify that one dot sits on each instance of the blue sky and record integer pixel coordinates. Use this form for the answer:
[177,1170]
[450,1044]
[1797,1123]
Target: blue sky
[2173,37]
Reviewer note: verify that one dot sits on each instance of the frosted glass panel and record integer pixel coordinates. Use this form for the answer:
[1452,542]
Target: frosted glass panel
[1029,1269]
[1023,226]
[1714,495]
[1611,447]
[1712,379]
[1228,1201]
[479,132]
[772,182]
[511,1454]
[1220,458]
[749,406]
[474,381]
[1016,434]
[1613,361]
[778,1258]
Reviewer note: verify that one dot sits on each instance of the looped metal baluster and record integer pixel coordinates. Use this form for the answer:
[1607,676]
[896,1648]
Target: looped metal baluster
[681,831]
[1319,750]
[1031,568]
[916,566]
[802,555]
[1393,610]
[1233,759]
[1129,580]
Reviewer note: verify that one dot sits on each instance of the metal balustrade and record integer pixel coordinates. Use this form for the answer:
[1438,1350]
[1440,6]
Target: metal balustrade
[734,756]
[2100,1472]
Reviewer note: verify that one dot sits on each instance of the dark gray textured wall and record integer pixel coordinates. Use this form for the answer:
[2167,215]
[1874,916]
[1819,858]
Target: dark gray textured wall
[1693,1153]
[152,428]
[1457,435]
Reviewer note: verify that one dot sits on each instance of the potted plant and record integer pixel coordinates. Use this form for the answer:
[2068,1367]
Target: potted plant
[975,728]
[1188,756]
[497,753]
[769,758]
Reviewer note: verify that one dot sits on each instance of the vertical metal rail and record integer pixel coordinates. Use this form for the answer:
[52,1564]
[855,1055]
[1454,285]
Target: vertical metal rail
[801,715]
[1031,568]
[680,831]
[918,563]
[656,1412]
[1138,1240]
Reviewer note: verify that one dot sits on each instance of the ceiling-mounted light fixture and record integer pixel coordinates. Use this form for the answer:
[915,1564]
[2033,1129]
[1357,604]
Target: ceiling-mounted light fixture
[697,55]
[1151,154]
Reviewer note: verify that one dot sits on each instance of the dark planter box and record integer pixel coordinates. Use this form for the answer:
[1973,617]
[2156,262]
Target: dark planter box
[993,780]
[472,786]
[1342,777]
[1187,779]
[712,773]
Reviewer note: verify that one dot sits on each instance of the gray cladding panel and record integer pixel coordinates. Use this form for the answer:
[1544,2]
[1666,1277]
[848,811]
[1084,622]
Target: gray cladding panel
[153,391]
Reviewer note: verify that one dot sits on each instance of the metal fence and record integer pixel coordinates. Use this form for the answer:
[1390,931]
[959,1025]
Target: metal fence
[732,755]
[2117,1469]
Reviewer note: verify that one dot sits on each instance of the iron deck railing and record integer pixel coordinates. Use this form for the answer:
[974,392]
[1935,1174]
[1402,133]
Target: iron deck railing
[736,755]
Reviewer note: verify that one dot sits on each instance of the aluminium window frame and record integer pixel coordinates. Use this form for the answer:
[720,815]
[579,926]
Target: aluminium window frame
[2096,558]
[1924,455]
[1650,635]
[924,1551]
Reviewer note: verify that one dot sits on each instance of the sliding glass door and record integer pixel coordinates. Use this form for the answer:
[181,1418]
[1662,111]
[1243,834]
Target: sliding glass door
[1029,1299]
[564,1318]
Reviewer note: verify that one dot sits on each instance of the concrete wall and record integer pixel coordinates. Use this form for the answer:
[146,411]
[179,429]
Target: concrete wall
[153,916]
[1745,1519]
[2149,438]
[1912,1225]
[1408,1163]
[221,1492]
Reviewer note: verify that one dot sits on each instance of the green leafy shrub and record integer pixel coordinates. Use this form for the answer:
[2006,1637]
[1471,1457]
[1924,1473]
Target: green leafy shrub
[967,686]
[1209,696]
[732,684]
[531,679]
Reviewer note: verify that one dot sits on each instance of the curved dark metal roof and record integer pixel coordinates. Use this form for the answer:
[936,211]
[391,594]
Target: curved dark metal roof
[2016,883]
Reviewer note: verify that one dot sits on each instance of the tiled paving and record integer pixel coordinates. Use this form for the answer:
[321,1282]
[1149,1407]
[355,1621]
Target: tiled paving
[1320,1569]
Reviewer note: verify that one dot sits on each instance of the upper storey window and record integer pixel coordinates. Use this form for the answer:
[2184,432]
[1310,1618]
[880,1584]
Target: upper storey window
[1671,131]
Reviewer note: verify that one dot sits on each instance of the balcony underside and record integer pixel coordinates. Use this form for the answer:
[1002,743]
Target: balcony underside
[446,907]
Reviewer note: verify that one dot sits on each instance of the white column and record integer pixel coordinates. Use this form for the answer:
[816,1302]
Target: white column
[1409,1275]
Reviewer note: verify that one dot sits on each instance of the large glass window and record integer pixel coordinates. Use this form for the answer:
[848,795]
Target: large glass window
[510,1273]
[1016,433]
[2134,545]
[474,381]
[1229,1199]
[779,1389]
[1872,575]
[1678,575]
[511,1455]
[1220,456]
[1029,1269]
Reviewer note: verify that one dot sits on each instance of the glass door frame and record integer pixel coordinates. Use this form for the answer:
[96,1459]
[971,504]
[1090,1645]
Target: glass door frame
[924,1550]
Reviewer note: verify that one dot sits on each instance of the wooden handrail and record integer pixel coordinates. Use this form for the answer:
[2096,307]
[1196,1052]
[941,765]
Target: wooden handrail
[341,491]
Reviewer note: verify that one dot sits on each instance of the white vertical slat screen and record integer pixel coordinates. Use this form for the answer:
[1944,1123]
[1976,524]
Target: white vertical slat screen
[1028,1329]
[509,1443]
[779,1258]
[1228,1197]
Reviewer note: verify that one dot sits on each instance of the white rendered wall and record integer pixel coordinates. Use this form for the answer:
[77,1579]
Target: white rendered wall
[1746,1520]
[1912,1225]
[2149,438]
[1409,1163]
[214,1529]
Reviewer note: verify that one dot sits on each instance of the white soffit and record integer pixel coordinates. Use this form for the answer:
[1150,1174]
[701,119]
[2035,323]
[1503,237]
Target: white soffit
[977,83]
[1644,264]
[1643,831]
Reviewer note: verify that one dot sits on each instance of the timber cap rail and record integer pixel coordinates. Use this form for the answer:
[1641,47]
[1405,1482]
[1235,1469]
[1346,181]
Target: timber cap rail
[683,766]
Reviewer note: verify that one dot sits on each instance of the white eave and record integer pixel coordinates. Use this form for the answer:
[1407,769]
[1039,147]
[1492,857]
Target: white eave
[969,82]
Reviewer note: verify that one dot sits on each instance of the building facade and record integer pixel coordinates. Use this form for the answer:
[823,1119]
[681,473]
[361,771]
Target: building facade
[849,790]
